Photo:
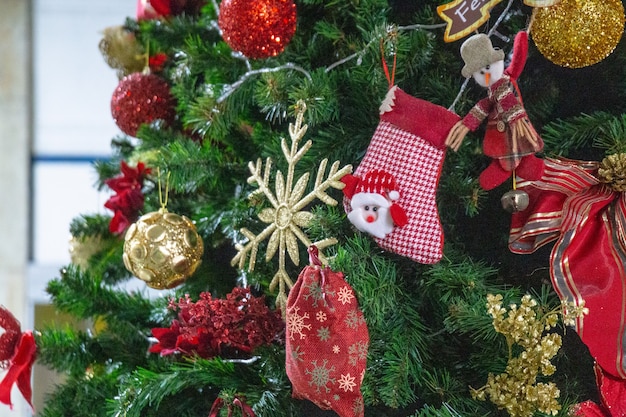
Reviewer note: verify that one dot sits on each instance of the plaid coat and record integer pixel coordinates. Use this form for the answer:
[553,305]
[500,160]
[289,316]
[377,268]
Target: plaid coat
[502,107]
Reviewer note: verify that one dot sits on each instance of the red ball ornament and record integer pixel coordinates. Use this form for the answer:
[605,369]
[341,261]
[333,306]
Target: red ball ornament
[258,28]
[141,98]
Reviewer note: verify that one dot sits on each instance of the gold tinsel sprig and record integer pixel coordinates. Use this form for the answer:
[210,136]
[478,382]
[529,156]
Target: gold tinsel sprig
[612,171]
[516,389]
[121,51]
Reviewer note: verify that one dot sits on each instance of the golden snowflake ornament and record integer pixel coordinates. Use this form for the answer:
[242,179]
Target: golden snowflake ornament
[286,217]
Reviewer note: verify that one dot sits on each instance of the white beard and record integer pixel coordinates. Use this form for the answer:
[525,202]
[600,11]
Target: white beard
[379,228]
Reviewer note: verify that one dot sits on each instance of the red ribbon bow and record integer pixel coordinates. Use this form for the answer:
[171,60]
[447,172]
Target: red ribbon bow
[17,353]
[246,410]
[612,392]
[587,219]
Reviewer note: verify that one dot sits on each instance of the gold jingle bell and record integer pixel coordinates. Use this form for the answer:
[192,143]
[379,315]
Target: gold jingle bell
[514,201]
[162,249]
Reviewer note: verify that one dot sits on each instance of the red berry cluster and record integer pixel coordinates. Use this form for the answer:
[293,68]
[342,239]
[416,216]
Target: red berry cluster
[230,327]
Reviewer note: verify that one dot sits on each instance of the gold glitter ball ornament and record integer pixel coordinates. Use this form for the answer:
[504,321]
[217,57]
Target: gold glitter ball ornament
[162,249]
[612,172]
[578,33]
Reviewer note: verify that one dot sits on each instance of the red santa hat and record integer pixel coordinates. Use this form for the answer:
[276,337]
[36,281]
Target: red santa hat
[377,187]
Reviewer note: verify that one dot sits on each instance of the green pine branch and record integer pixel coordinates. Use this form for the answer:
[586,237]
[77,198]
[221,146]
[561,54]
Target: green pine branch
[146,391]
[81,397]
[83,295]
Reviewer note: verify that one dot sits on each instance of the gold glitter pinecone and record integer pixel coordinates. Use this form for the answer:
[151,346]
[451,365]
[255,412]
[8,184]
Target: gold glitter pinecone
[612,171]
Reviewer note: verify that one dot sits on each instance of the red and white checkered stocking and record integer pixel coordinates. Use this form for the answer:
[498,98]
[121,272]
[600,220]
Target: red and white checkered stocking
[406,153]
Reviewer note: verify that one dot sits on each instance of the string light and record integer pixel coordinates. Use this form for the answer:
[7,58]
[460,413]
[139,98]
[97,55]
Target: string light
[231,88]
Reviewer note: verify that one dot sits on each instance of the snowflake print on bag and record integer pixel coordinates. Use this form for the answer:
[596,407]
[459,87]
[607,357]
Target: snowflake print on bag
[295,323]
[358,408]
[321,316]
[323,333]
[317,293]
[346,383]
[320,376]
[357,352]
[329,351]
[354,319]
[296,354]
[345,295]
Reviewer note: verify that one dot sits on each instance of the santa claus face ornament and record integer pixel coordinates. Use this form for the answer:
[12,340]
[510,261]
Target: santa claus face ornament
[373,203]
[375,220]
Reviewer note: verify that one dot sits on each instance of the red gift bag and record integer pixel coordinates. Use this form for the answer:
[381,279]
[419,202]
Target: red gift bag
[326,340]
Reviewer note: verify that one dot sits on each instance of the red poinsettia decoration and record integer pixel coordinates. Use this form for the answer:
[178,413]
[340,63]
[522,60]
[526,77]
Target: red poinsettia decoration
[128,198]
[209,327]
[157,61]
[231,404]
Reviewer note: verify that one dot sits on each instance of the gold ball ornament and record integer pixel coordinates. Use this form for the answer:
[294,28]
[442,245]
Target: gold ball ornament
[162,249]
[578,33]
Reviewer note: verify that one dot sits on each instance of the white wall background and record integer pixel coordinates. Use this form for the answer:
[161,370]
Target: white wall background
[71,125]
[15,121]
[72,120]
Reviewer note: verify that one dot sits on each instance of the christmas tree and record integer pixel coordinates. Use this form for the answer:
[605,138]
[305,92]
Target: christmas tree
[250,134]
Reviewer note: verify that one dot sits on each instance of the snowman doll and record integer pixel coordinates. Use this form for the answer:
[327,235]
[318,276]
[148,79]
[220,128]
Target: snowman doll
[510,139]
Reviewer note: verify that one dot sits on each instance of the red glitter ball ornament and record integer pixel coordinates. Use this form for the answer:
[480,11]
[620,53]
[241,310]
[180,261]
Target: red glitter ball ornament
[258,28]
[141,98]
